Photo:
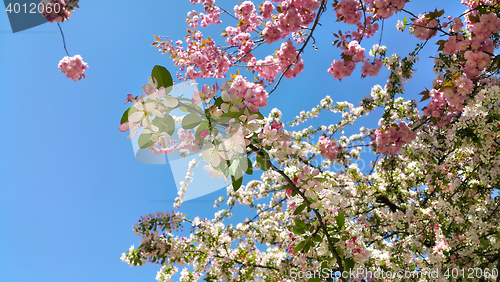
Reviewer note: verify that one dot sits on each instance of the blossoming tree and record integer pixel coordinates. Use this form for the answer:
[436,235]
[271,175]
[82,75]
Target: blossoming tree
[428,202]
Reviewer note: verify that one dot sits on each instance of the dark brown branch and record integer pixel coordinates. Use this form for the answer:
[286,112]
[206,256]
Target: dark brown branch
[306,200]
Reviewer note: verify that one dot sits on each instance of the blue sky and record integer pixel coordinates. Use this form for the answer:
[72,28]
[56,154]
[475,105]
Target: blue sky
[70,187]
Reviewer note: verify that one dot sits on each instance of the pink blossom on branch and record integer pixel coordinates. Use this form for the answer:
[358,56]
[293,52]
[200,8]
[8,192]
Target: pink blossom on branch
[73,67]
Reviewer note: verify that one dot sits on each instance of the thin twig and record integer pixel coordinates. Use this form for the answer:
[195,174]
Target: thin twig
[320,11]
[64,41]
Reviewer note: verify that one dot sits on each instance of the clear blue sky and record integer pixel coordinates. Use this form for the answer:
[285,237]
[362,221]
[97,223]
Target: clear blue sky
[70,187]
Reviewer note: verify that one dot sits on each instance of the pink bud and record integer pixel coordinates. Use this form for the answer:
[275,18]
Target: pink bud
[204,133]
[125,126]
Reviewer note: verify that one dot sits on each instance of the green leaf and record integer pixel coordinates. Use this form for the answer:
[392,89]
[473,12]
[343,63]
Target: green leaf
[298,247]
[298,231]
[348,264]
[308,245]
[299,209]
[321,179]
[203,125]
[340,220]
[126,114]
[235,115]
[246,166]
[191,121]
[314,279]
[162,76]
[263,164]
[234,166]
[236,183]
[191,108]
[317,238]
[145,141]
[218,102]
[299,223]
[165,124]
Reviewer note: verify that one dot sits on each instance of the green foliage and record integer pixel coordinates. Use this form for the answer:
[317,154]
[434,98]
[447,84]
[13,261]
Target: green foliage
[236,182]
[165,124]
[126,114]
[340,220]
[163,77]
[262,162]
[145,141]
[348,264]
[191,121]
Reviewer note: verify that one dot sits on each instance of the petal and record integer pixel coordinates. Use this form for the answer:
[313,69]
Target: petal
[124,126]
[145,131]
[225,96]
[138,105]
[216,161]
[157,113]
[136,117]
[154,128]
[170,102]
[161,92]
[149,106]
[134,131]
[206,154]
[147,121]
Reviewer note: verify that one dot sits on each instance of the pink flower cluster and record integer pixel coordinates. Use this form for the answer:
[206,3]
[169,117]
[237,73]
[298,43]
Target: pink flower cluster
[463,85]
[343,68]
[73,67]
[329,148]
[450,98]
[356,51]
[57,9]
[285,56]
[371,68]
[455,43]
[249,19]
[243,41]
[476,62]
[367,29]
[267,69]
[267,10]
[349,11]
[424,29]
[384,9]
[295,14]
[487,25]
[192,19]
[201,53]
[271,133]
[436,108]
[211,15]
[388,140]
[186,144]
[456,25]
[253,96]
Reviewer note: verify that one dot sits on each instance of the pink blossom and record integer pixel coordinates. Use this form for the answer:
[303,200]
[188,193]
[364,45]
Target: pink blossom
[73,67]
